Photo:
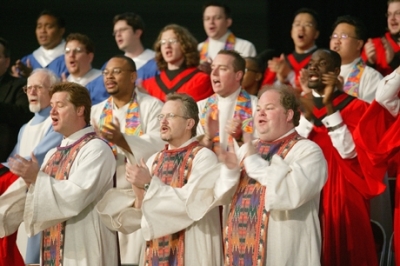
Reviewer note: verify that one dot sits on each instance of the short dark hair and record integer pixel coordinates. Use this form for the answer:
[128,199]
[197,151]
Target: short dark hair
[239,64]
[360,28]
[226,8]
[129,60]
[133,20]
[311,12]
[83,39]
[77,95]
[59,20]
[191,110]
[188,45]
[288,99]
[6,48]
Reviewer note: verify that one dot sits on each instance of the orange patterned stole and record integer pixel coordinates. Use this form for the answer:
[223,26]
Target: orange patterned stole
[247,224]
[173,167]
[58,167]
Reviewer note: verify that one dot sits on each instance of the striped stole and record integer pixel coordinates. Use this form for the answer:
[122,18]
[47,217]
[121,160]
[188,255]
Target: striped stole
[58,167]
[173,167]
[247,224]
[243,110]
[352,84]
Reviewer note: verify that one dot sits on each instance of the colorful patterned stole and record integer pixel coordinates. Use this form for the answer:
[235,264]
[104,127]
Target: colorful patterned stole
[132,122]
[229,45]
[173,167]
[243,110]
[58,167]
[353,81]
[247,224]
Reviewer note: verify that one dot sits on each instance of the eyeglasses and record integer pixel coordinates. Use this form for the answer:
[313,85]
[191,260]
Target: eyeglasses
[170,116]
[169,41]
[120,30]
[76,50]
[27,89]
[115,71]
[343,36]
[395,14]
[305,25]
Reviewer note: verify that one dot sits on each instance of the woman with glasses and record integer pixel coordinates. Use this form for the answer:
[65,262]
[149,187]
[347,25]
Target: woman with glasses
[178,60]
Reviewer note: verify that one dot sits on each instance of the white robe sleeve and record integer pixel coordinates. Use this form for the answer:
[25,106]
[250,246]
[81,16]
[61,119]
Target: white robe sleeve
[12,203]
[387,93]
[368,84]
[164,207]
[150,142]
[293,181]
[51,201]
[341,137]
[305,127]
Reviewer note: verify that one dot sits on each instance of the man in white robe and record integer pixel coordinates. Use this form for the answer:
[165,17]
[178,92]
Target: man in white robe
[216,21]
[156,203]
[140,140]
[60,198]
[273,219]
[348,39]
[37,137]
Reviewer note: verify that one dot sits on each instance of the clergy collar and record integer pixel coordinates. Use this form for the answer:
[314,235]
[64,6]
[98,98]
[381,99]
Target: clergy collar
[316,95]
[311,49]
[76,136]
[188,142]
[284,135]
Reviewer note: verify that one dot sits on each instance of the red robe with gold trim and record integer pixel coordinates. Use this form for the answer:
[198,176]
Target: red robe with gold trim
[191,81]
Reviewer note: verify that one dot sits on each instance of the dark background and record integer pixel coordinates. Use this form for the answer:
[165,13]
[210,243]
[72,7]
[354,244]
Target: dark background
[266,23]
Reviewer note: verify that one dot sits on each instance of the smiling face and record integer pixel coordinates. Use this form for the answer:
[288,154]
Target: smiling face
[304,32]
[224,79]
[393,17]
[271,119]
[48,33]
[77,59]
[215,22]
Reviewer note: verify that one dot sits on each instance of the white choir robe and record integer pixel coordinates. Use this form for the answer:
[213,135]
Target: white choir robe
[165,211]
[368,82]
[292,198]
[132,246]
[243,47]
[87,242]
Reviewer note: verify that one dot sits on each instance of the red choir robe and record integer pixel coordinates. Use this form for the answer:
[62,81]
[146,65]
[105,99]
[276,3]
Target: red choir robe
[377,137]
[191,81]
[9,252]
[381,64]
[347,237]
[296,61]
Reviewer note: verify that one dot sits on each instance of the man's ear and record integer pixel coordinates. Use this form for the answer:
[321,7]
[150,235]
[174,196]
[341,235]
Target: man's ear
[290,115]
[80,110]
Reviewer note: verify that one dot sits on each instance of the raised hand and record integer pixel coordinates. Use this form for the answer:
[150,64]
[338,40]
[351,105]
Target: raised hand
[229,158]
[27,169]
[21,70]
[388,50]
[370,51]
